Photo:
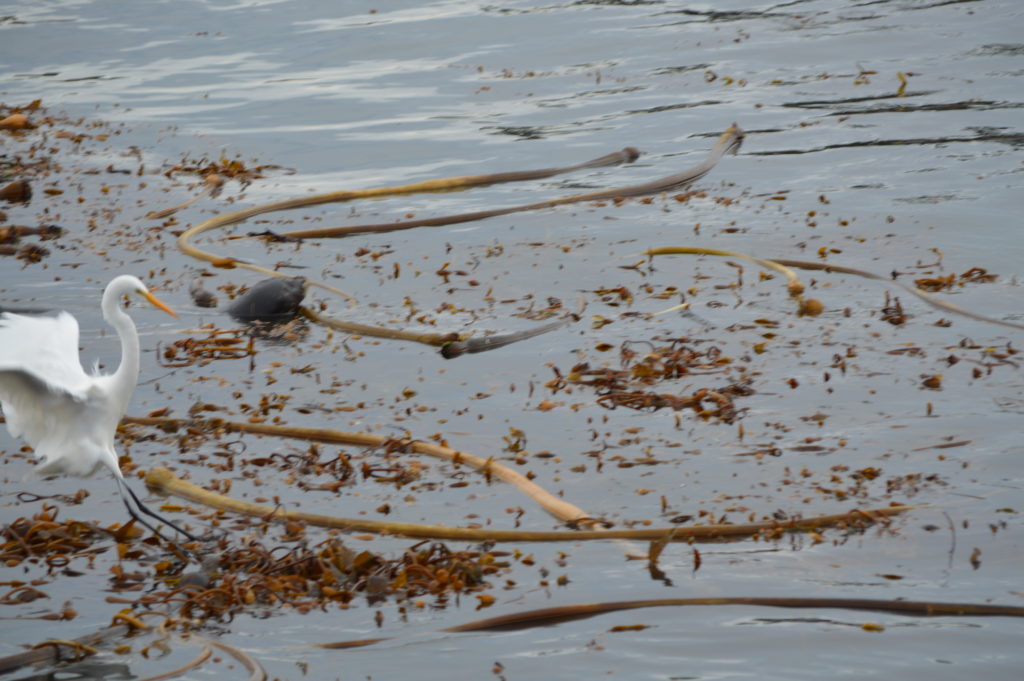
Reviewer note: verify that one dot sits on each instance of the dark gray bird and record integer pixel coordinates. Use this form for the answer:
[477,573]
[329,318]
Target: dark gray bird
[271,300]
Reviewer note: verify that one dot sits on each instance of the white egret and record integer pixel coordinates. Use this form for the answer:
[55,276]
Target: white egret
[68,416]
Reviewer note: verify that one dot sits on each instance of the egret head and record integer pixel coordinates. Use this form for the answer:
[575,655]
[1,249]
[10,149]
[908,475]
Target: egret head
[126,285]
[155,302]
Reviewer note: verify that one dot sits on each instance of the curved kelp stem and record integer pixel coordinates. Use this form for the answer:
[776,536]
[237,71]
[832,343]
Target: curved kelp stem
[808,306]
[163,479]
[728,141]
[469,346]
[927,297]
[548,616]
[444,184]
[783,266]
[49,651]
[426,338]
[560,509]
[205,653]
[212,185]
[256,671]
[452,344]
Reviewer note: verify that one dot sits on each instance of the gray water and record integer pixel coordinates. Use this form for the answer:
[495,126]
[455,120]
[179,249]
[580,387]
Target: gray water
[899,174]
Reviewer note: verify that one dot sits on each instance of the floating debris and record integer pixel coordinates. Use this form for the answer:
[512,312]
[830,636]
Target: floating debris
[230,344]
[18,191]
[200,296]
[629,386]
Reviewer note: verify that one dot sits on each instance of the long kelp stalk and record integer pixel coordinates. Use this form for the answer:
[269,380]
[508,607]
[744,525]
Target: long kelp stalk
[809,306]
[443,184]
[728,141]
[559,508]
[564,613]
[927,297]
[162,479]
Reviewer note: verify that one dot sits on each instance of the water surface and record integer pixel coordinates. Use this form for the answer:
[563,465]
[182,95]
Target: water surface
[882,135]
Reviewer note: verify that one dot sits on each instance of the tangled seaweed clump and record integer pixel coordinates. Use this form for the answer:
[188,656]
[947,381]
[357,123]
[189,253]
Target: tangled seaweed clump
[219,345]
[246,575]
[628,386]
[253,577]
[234,169]
[45,540]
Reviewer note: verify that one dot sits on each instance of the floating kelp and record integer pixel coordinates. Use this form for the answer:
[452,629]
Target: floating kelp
[161,478]
[814,307]
[45,539]
[630,385]
[218,345]
[548,616]
[729,142]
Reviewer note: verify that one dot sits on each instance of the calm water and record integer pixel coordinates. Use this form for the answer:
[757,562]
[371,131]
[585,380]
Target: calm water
[897,123]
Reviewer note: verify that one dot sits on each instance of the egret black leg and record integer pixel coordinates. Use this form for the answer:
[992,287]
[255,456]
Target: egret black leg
[137,518]
[122,486]
[153,514]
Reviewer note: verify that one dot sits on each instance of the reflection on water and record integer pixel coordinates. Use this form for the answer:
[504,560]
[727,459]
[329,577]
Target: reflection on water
[882,137]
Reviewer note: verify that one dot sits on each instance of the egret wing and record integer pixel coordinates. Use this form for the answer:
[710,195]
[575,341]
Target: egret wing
[71,433]
[44,346]
[41,377]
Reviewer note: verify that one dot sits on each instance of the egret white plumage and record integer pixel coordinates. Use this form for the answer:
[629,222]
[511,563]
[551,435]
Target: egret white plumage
[67,415]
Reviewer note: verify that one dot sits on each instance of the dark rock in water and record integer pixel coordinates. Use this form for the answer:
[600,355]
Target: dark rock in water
[271,300]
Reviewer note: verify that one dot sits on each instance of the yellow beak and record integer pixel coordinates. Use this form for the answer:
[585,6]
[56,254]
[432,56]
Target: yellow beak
[156,302]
